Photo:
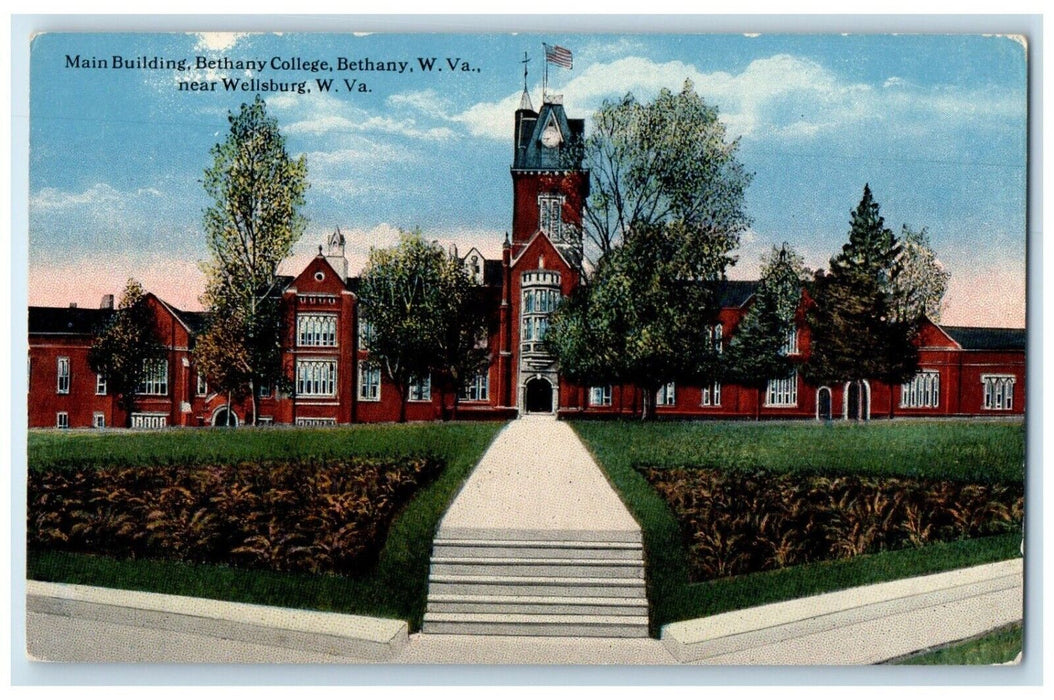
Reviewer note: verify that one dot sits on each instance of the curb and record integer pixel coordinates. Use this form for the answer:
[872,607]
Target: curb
[352,636]
[963,602]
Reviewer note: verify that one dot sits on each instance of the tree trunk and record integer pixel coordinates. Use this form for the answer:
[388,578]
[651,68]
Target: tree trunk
[230,409]
[890,384]
[404,392]
[252,397]
[757,404]
[647,409]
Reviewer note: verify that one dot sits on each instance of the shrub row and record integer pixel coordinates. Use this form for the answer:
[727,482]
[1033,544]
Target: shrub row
[738,522]
[319,517]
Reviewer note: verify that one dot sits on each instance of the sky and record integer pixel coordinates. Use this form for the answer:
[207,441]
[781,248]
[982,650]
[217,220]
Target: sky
[935,124]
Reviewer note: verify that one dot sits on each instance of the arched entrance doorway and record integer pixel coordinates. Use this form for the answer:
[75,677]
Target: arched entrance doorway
[857,400]
[538,397]
[823,403]
[223,417]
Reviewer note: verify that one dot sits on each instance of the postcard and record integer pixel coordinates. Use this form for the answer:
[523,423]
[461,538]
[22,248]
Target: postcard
[545,348]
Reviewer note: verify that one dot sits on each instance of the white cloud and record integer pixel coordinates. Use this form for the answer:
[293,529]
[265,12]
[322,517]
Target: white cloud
[54,198]
[218,41]
[326,114]
[780,96]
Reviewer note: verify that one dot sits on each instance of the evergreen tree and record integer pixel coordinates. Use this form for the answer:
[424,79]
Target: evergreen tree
[257,191]
[758,349]
[126,346]
[856,334]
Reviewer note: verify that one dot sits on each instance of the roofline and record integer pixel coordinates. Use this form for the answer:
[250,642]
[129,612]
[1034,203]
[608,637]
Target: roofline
[530,241]
[172,310]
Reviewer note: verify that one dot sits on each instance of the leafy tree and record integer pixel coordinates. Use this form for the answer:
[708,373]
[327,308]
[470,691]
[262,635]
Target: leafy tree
[757,351]
[668,160]
[856,333]
[462,316]
[425,315]
[646,315]
[124,348]
[921,281]
[222,355]
[257,191]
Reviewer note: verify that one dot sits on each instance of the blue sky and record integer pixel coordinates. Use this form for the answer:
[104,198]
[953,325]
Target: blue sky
[936,125]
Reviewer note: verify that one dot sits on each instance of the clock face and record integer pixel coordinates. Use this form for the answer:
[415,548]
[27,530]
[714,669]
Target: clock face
[551,136]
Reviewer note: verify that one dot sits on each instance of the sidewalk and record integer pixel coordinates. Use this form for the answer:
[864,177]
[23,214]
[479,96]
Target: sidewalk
[538,480]
[864,625]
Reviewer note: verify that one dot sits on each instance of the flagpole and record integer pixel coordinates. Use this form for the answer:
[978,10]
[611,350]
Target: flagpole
[545,75]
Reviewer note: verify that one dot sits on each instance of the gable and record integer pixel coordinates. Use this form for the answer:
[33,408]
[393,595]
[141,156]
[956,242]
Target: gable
[318,277]
[931,335]
[539,246]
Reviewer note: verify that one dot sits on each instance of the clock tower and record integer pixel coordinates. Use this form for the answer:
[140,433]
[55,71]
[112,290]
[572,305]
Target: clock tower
[543,259]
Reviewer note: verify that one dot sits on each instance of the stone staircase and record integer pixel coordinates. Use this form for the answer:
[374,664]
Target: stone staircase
[571,586]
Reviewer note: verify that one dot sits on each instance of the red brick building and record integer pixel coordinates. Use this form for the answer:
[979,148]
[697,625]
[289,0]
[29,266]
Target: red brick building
[963,371]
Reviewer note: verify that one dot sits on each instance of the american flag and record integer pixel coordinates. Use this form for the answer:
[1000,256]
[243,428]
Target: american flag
[558,55]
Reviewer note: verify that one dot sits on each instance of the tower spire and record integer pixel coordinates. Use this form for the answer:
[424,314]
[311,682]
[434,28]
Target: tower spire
[525,99]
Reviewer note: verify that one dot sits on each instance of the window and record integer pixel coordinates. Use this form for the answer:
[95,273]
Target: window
[667,395]
[476,389]
[203,385]
[550,219]
[712,394]
[316,330]
[716,332]
[421,389]
[64,376]
[369,382]
[783,392]
[100,385]
[923,391]
[790,343]
[265,390]
[316,377]
[540,301]
[265,420]
[600,396]
[62,419]
[534,327]
[151,421]
[155,378]
[98,419]
[317,422]
[998,392]
[366,334]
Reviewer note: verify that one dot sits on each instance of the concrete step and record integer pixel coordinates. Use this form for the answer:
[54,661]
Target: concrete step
[536,625]
[536,605]
[507,566]
[541,549]
[537,586]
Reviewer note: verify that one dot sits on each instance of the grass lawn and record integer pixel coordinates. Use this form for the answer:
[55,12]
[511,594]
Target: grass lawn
[954,450]
[397,586]
[996,647]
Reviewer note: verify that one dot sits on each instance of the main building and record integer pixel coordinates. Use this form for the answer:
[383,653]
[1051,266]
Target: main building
[963,371]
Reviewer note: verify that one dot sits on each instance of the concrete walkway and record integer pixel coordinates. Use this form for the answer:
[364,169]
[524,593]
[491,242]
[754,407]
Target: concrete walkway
[537,543]
[538,480]
[865,625]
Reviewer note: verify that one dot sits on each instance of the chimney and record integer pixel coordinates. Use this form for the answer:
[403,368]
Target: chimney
[73,304]
[106,302]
